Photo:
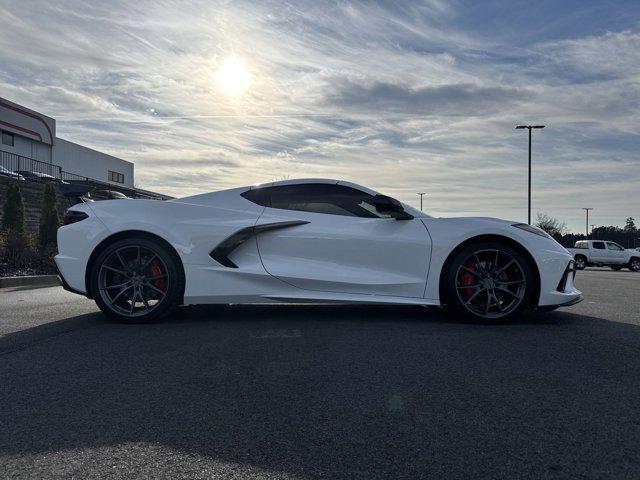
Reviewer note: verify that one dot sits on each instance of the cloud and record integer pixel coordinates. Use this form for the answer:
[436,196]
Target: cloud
[401,96]
[455,100]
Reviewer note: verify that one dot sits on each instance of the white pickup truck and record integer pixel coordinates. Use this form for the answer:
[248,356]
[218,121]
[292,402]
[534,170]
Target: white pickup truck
[602,252]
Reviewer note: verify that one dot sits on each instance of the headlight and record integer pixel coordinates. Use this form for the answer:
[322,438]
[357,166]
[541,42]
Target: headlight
[531,229]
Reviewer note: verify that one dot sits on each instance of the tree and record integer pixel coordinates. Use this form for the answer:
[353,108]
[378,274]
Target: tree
[49,220]
[13,215]
[13,223]
[551,225]
[630,225]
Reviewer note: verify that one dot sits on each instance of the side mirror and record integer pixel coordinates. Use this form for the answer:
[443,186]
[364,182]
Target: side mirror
[390,206]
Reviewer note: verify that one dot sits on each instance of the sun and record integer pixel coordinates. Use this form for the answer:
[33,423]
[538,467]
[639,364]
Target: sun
[232,76]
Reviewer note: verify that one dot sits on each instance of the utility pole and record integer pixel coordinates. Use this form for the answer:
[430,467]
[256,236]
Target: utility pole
[587,224]
[529,127]
[422,194]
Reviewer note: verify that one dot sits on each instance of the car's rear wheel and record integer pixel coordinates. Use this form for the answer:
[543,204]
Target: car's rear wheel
[634,265]
[580,262]
[137,280]
[488,283]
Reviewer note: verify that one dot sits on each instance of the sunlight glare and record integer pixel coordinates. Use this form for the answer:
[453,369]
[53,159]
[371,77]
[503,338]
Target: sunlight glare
[232,76]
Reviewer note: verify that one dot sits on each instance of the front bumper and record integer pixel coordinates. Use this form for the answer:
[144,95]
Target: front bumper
[557,287]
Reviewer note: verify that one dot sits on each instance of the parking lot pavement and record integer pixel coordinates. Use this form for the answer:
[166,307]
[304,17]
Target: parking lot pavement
[321,392]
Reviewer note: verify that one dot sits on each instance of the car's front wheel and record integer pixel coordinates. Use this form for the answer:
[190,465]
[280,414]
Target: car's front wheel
[137,280]
[580,262]
[488,283]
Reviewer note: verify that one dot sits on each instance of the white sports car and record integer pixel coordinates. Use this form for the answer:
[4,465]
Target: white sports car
[315,240]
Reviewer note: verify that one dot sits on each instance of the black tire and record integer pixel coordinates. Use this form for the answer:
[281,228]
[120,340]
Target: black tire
[491,281]
[159,292]
[616,267]
[580,262]
[634,264]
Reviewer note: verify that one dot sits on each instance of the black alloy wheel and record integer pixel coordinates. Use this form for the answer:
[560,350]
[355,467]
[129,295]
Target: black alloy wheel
[137,280]
[488,283]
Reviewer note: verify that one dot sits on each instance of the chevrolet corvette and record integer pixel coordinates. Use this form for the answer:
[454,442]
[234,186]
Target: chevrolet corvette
[311,240]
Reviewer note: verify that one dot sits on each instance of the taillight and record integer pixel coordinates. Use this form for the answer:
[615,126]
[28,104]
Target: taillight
[73,216]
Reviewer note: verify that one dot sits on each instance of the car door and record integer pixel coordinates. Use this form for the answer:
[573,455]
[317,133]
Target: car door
[616,253]
[344,245]
[599,252]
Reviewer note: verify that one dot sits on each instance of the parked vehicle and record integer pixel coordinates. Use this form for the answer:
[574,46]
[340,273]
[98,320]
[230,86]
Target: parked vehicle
[5,172]
[604,253]
[107,195]
[38,176]
[317,240]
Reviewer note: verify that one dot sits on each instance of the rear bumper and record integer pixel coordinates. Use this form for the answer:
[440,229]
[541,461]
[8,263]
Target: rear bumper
[72,279]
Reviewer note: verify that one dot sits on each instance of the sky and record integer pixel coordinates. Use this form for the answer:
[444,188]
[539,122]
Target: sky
[403,97]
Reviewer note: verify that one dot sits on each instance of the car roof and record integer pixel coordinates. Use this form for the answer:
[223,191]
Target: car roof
[301,181]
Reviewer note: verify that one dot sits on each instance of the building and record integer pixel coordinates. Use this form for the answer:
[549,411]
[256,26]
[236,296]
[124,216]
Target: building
[29,143]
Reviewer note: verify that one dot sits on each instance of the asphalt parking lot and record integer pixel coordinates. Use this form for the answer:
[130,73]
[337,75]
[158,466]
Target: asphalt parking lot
[321,392]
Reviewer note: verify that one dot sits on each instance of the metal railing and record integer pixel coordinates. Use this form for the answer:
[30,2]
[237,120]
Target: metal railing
[33,170]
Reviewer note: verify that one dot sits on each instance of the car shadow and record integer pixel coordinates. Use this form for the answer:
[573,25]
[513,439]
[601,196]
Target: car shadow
[329,392]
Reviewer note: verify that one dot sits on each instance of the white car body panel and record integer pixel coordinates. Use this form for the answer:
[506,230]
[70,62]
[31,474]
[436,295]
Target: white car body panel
[332,259]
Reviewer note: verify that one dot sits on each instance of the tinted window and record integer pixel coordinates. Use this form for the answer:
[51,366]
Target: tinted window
[598,245]
[317,198]
[614,246]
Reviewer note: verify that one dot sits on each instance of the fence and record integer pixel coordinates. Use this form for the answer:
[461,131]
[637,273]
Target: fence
[35,170]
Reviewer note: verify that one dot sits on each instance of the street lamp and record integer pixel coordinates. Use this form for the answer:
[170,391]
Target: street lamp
[587,224]
[422,194]
[529,127]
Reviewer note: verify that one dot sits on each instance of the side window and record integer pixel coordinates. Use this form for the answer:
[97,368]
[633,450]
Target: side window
[317,198]
[598,245]
[581,245]
[614,246]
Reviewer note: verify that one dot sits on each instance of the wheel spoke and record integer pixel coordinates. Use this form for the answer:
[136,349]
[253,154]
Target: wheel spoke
[115,299]
[472,272]
[480,290]
[133,300]
[121,260]
[506,290]
[511,282]
[153,287]
[464,287]
[486,311]
[144,300]
[120,272]
[498,272]
[119,285]
[498,304]
[148,262]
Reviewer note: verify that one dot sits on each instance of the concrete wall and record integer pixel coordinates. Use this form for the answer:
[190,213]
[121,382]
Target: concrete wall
[90,163]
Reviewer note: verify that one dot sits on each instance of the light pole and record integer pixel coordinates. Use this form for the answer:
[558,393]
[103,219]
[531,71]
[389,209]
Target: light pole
[422,194]
[529,127]
[587,224]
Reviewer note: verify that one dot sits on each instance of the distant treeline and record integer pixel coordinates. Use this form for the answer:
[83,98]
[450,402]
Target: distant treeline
[627,236]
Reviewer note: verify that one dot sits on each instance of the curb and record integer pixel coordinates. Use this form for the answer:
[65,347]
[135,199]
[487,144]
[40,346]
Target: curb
[33,281]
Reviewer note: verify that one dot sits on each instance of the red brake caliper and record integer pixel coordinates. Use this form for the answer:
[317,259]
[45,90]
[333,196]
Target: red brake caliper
[155,270]
[468,279]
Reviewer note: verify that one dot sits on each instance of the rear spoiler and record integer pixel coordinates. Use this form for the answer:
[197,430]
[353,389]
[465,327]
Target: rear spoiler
[76,193]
